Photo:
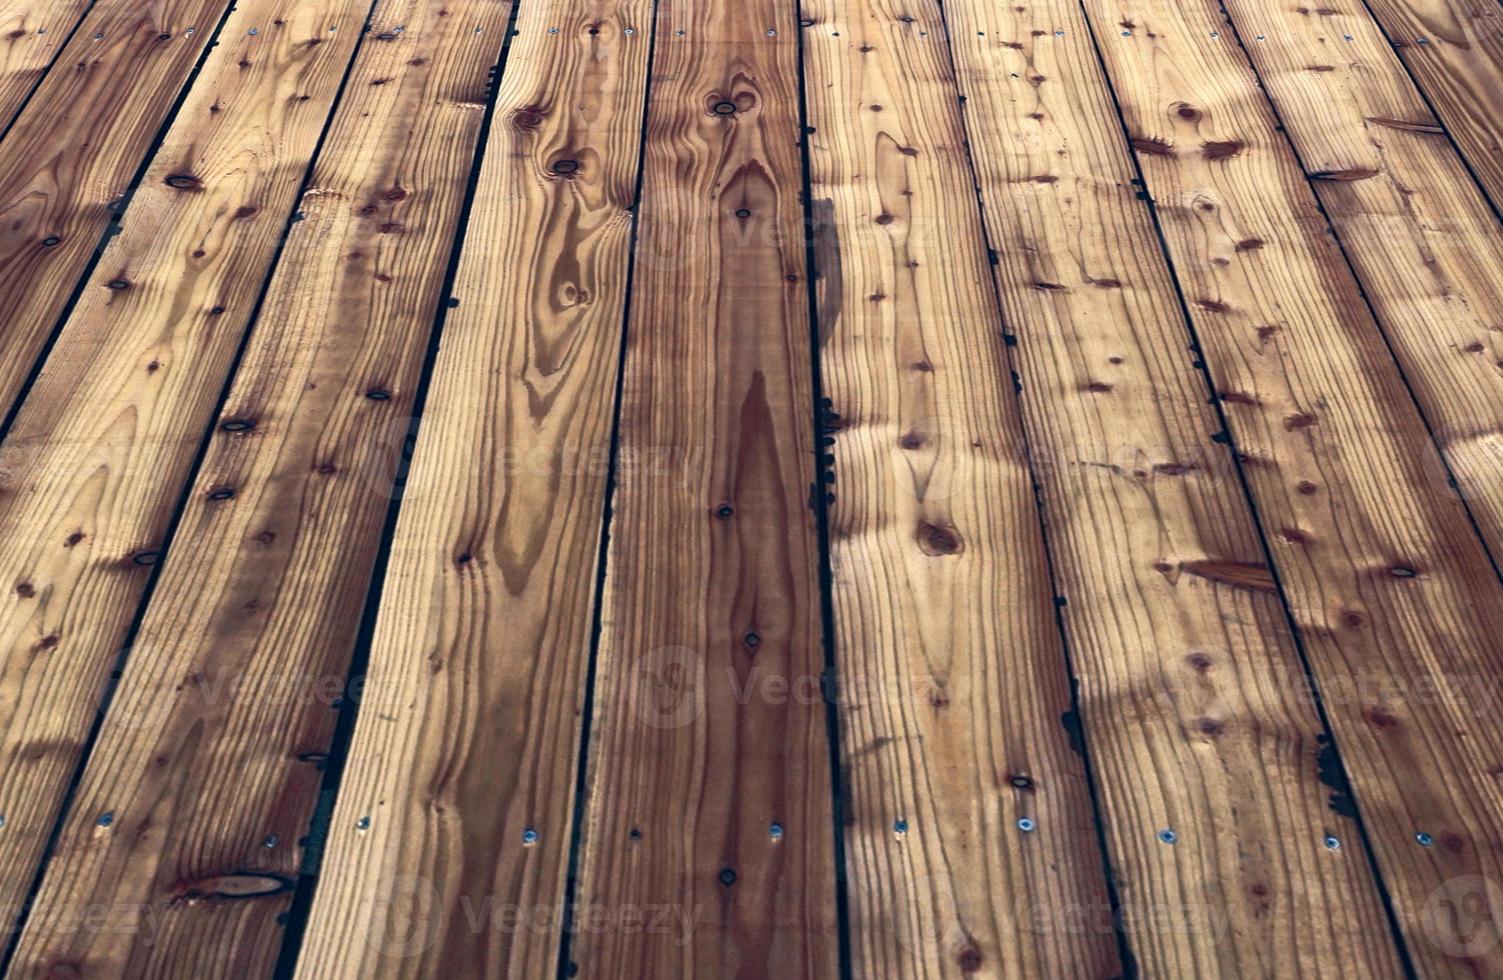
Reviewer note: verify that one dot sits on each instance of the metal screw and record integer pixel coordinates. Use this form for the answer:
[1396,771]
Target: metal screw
[253,31]
[1168,836]
[900,827]
[1334,843]
[270,841]
[771,32]
[364,823]
[1059,33]
[1025,825]
[553,30]
[529,837]
[105,819]
[1127,33]
[630,30]
[1424,839]
[775,831]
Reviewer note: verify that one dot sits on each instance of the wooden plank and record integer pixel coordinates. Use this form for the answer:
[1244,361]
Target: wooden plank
[710,794]
[1190,680]
[945,631]
[1392,592]
[1424,242]
[1454,48]
[259,601]
[72,153]
[99,454]
[30,34]
[468,736]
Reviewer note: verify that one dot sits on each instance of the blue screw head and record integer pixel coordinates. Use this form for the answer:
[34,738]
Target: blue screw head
[529,837]
[1424,839]
[775,831]
[1168,836]
[270,841]
[105,819]
[900,827]
[1334,843]
[1026,825]
[364,823]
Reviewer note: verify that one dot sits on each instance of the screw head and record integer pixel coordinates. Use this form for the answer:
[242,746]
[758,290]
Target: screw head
[364,823]
[529,837]
[1168,836]
[775,831]
[1026,825]
[1424,839]
[1334,843]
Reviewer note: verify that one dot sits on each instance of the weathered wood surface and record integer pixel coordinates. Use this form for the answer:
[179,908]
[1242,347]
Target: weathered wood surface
[97,458]
[710,792]
[31,34]
[1191,685]
[71,156]
[468,737]
[951,667]
[247,640]
[1392,592]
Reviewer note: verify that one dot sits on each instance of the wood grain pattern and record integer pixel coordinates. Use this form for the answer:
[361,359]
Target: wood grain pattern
[1191,686]
[31,32]
[708,726]
[1454,48]
[1424,243]
[469,731]
[72,154]
[1392,592]
[97,458]
[945,633]
[249,633]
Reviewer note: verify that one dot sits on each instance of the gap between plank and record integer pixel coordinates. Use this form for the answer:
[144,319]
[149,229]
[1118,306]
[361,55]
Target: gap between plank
[349,708]
[1257,518]
[118,668]
[819,500]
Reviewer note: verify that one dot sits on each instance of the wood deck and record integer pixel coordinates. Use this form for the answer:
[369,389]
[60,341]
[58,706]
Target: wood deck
[759,488]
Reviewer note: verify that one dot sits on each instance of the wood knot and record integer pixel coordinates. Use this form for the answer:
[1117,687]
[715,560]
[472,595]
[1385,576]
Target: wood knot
[936,541]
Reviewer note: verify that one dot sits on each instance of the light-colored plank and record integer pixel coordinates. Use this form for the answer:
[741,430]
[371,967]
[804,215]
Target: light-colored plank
[98,456]
[72,154]
[1190,680]
[225,701]
[710,794]
[31,32]
[1420,234]
[945,631]
[468,736]
[1390,587]
[1454,48]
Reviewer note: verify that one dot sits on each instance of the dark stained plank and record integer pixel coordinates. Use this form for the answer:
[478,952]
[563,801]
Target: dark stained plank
[1391,590]
[1419,232]
[72,153]
[98,457]
[1190,681]
[968,810]
[710,792]
[207,757]
[454,811]
[31,32]
[1454,48]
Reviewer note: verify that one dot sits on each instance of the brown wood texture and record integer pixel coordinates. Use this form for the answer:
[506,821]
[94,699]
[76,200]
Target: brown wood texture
[97,458]
[1191,687]
[31,34]
[1393,594]
[469,731]
[1454,48]
[709,791]
[950,662]
[1425,245]
[245,646]
[71,155]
